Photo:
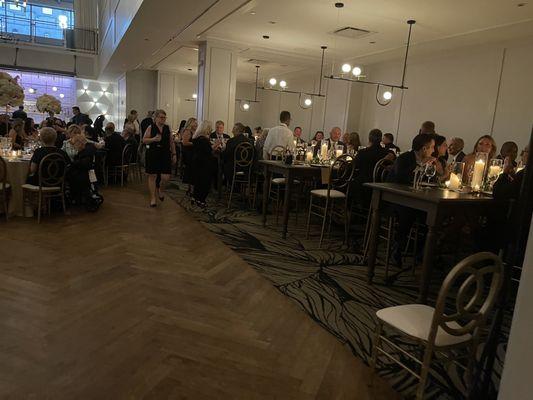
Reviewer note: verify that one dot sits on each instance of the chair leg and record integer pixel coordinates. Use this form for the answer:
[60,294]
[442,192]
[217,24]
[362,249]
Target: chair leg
[278,197]
[347,219]
[309,217]
[424,372]
[374,359]
[415,248]
[324,219]
[368,228]
[63,203]
[122,177]
[39,209]
[387,252]
[231,191]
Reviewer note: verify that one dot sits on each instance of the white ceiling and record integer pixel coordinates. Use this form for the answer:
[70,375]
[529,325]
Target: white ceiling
[302,26]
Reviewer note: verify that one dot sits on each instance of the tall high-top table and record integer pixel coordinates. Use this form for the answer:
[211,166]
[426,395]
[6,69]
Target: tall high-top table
[290,173]
[437,203]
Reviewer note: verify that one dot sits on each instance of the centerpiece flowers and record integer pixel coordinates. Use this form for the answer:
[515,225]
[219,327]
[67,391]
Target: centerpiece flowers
[11,93]
[47,103]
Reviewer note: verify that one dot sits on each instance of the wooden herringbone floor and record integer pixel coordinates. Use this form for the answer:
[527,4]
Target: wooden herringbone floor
[139,303]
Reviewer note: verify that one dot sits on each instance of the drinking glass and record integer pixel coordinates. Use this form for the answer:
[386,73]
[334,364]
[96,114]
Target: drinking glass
[430,171]
[339,149]
[495,169]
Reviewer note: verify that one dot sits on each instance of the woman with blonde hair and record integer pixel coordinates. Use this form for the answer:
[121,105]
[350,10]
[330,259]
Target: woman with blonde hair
[132,118]
[160,154]
[187,151]
[485,144]
[202,163]
[68,147]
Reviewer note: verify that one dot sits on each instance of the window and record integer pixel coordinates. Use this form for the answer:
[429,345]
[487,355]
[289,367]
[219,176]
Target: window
[47,11]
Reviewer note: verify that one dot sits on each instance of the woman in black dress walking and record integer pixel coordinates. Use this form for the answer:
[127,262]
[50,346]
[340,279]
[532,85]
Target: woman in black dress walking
[160,154]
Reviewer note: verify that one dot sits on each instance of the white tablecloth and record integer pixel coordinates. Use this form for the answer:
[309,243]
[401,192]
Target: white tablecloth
[17,171]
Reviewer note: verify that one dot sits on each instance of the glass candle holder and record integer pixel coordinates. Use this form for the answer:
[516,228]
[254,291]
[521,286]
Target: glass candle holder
[309,154]
[456,176]
[339,149]
[478,172]
[494,171]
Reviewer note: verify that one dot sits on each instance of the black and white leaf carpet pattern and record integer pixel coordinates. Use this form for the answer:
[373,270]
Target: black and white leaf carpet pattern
[329,284]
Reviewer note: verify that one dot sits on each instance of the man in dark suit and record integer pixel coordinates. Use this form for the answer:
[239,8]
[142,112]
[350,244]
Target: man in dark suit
[219,132]
[388,142]
[403,172]
[79,118]
[145,123]
[455,150]
[20,114]
[332,141]
[298,136]
[228,155]
[114,144]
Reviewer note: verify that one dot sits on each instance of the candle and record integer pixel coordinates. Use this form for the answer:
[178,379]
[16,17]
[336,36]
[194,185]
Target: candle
[308,156]
[324,151]
[477,176]
[338,153]
[14,153]
[494,171]
[454,183]
[294,143]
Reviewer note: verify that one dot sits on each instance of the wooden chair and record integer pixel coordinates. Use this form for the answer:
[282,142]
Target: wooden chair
[123,168]
[338,190]
[52,170]
[243,159]
[465,300]
[5,188]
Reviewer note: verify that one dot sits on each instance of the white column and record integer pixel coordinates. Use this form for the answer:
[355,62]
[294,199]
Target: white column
[217,81]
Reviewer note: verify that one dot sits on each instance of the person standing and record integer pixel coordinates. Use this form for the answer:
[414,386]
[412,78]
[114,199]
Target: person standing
[280,135]
[146,122]
[160,155]
[20,114]
[202,163]
[79,118]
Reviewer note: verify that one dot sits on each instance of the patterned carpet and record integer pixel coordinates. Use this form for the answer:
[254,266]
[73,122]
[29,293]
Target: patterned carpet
[329,284]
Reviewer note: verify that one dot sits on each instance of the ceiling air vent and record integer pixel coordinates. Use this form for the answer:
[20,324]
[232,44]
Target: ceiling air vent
[352,33]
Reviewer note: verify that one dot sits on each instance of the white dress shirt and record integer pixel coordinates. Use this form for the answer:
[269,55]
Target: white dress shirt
[280,135]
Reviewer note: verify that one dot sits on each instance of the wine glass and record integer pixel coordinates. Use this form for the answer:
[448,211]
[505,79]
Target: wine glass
[430,171]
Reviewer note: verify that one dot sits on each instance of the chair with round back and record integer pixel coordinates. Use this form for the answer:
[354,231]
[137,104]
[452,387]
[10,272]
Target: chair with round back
[465,300]
[382,169]
[4,187]
[341,174]
[52,171]
[127,154]
[243,159]
[276,154]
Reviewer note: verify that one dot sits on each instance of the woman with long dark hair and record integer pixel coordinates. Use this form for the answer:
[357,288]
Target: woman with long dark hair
[160,155]
[187,152]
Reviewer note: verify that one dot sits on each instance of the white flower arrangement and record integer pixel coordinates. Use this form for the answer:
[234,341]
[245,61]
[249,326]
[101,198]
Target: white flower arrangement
[47,103]
[11,93]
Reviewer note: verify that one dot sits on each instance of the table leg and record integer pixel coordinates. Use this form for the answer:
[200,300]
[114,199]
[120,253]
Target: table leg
[427,264]
[287,203]
[374,231]
[266,185]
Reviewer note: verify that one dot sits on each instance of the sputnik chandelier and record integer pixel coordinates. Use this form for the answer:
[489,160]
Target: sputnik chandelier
[384,91]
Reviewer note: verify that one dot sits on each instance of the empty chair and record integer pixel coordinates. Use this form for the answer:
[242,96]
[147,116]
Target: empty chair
[323,202]
[465,300]
[123,168]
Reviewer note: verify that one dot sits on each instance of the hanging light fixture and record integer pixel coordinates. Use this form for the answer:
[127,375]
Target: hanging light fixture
[272,81]
[244,104]
[384,91]
[282,84]
[305,101]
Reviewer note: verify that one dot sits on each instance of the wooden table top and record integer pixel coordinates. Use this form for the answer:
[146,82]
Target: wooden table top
[432,195]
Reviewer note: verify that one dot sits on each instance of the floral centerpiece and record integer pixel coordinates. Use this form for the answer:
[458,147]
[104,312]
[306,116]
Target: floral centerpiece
[11,93]
[47,103]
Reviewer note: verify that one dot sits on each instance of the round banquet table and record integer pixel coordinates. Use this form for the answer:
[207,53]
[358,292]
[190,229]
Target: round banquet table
[17,171]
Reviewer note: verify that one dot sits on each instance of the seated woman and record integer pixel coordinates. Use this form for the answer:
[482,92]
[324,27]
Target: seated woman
[319,136]
[114,144]
[31,131]
[260,143]
[78,173]
[129,136]
[48,139]
[17,135]
[485,144]
[441,154]
[67,147]
[352,141]
[202,163]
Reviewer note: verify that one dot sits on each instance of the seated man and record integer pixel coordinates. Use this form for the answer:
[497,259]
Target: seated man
[48,139]
[455,150]
[388,142]
[365,162]
[298,136]
[114,144]
[219,132]
[332,141]
[509,150]
[228,155]
[403,172]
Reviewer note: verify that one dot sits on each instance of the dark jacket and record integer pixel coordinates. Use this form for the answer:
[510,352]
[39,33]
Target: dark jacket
[366,160]
[392,146]
[403,170]
[20,114]
[145,123]
[459,157]
[81,119]
[228,156]
[114,145]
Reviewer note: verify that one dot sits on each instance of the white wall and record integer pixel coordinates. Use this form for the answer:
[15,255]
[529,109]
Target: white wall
[96,98]
[141,91]
[175,96]
[458,90]
[516,378]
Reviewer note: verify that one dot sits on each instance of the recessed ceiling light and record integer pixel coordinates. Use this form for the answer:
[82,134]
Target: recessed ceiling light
[266,37]
[521,4]
[339,5]
[272,22]
[252,12]
[372,42]
[146,39]
[189,69]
